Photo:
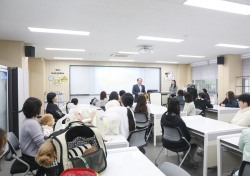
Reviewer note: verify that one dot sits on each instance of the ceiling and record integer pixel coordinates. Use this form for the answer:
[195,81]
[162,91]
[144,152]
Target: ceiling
[114,25]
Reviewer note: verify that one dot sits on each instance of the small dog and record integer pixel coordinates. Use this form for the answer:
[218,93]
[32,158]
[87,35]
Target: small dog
[47,122]
[46,155]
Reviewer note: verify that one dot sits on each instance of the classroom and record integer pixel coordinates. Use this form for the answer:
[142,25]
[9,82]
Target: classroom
[81,56]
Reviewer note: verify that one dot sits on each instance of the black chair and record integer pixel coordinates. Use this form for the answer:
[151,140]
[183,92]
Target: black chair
[142,121]
[138,138]
[19,165]
[173,140]
[244,168]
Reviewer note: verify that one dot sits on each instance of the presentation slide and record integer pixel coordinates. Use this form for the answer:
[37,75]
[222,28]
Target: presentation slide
[94,79]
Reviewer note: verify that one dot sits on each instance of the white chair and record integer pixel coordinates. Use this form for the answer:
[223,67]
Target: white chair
[170,169]
[155,98]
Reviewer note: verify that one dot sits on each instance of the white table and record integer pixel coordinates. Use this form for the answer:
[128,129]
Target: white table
[220,113]
[209,130]
[129,161]
[157,112]
[228,143]
[115,141]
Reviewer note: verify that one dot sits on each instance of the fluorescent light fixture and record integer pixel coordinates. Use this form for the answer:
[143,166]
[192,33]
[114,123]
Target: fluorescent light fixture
[191,56]
[166,62]
[232,46]
[159,39]
[220,5]
[57,31]
[67,58]
[65,49]
[125,52]
[122,60]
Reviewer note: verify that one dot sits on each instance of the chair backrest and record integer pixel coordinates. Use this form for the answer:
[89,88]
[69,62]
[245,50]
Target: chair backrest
[155,98]
[13,146]
[170,169]
[244,168]
[173,139]
[137,137]
[141,120]
[59,124]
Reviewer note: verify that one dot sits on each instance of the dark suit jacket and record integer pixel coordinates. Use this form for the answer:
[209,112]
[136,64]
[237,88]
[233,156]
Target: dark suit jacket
[136,90]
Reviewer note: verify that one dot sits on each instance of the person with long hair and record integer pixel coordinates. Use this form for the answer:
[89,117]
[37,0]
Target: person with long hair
[207,97]
[189,106]
[172,118]
[230,100]
[113,100]
[141,106]
[3,142]
[52,108]
[173,88]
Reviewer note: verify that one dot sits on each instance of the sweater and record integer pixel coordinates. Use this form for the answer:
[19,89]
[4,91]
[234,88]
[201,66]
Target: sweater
[242,117]
[189,108]
[31,137]
[244,144]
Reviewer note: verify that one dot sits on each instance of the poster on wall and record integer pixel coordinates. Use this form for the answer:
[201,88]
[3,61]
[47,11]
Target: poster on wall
[169,76]
[57,77]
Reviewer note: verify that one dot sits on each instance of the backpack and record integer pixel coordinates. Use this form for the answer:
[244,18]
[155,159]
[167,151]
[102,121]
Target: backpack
[71,142]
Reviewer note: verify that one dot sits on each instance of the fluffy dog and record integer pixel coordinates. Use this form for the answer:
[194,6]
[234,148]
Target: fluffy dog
[46,154]
[47,122]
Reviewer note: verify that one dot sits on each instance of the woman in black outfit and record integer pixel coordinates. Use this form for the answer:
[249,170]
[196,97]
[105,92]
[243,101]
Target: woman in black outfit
[53,108]
[172,118]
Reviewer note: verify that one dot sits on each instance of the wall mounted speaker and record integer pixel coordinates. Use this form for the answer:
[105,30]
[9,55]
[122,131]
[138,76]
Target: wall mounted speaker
[220,60]
[29,51]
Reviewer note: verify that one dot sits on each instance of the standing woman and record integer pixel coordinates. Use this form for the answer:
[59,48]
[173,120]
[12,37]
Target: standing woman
[31,135]
[230,101]
[173,88]
[52,108]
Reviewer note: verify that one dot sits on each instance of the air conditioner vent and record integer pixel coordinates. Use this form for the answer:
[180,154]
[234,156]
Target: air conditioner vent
[115,55]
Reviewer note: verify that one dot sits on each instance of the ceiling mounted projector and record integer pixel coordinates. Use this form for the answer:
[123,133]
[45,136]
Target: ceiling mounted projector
[146,50]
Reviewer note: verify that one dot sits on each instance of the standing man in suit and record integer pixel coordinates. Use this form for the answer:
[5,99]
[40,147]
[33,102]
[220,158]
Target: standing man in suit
[138,89]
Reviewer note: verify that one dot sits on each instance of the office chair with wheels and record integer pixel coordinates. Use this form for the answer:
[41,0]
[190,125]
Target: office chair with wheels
[173,140]
[138,138]
[170,169]
[142,121]
[244,168]
[19,165]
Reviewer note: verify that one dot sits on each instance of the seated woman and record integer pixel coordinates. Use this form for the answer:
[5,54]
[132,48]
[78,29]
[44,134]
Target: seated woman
[230,101]
[172,118]
[31,135]
[189,104]
[103,99]
[113,100]
[201,103]
[180,97]
[141,106]
[123,116]
[52,108]
[207,97]
[121,92]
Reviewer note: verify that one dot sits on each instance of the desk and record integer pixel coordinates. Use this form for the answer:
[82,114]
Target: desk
[157,112]
[224,114]
[129,161]
[115,141]
[228,143]
[209,130]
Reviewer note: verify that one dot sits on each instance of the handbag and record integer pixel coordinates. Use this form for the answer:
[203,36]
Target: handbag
[95,160]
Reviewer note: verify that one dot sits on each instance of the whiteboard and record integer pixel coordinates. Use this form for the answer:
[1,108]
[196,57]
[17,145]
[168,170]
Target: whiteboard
[94,79]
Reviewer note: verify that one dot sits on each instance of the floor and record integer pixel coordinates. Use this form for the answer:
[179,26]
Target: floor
[151,153]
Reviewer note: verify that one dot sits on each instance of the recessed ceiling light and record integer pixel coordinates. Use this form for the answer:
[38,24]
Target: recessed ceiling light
[166,62]
[232,46]
[159,39]
[122,60]
[65,49]
[191,56]
[58,31]
[125,52]
[67,58]
[220,5]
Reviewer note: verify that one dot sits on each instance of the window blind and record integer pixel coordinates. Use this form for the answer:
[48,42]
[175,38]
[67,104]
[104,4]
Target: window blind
[203,72]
